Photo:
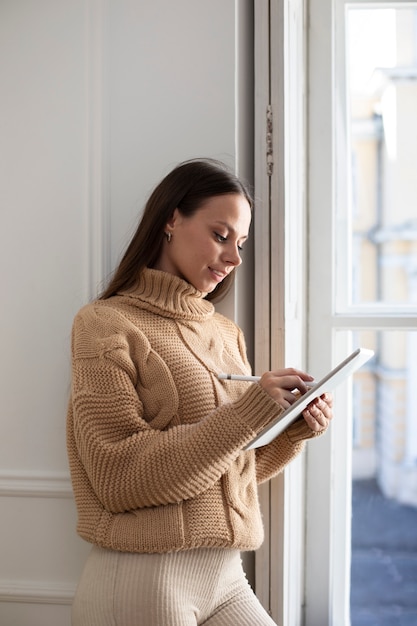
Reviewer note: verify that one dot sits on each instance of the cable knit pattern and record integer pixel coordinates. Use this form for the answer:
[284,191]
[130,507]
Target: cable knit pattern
[154,439]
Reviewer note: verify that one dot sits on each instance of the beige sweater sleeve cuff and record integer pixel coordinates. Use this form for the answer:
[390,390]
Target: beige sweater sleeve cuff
[257,408]
[299,431]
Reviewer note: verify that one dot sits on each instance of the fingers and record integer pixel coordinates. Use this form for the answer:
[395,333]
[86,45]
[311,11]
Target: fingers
[319,412]
[285,385]
[289,378]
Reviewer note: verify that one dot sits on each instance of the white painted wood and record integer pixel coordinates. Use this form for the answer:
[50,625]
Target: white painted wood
[280,270]
[43,246]
[329,462]
[34,484]
[262,360]
[288,347]
[100,99]
[321,194]
[34,614]
[36,592]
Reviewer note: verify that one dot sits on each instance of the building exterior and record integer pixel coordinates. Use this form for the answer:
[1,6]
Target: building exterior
[384,259]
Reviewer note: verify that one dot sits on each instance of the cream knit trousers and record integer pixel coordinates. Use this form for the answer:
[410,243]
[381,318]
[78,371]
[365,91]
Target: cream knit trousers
[194,587]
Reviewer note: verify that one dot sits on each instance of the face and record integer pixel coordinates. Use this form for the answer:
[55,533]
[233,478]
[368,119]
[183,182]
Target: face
[205,247]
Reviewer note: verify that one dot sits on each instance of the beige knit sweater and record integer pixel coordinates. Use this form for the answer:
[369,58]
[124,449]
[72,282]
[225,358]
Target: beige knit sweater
[155,440]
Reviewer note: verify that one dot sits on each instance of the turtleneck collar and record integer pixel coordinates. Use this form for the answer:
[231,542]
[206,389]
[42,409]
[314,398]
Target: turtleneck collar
[169,296]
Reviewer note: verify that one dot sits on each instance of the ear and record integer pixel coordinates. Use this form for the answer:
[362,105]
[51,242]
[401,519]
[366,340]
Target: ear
[174,219]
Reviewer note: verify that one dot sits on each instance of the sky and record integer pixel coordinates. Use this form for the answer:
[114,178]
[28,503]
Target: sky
[370,44]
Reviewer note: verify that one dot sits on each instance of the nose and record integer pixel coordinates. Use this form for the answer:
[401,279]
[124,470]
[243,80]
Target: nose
[232,255]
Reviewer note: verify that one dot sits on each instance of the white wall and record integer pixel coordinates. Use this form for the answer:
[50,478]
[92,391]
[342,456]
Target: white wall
[100,98]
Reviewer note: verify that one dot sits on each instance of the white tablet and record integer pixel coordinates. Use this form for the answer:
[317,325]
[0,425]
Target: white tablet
[328,383]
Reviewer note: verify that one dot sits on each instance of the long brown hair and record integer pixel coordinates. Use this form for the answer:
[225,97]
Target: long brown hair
[185,188]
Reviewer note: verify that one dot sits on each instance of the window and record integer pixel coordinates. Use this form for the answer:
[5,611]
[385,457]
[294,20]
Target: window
[363,269]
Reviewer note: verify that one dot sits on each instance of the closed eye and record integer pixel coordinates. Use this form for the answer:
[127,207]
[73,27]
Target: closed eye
[220,238]
[223,239]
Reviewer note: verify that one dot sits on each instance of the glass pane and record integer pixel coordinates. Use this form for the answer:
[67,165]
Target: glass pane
[382,102]
[384,482]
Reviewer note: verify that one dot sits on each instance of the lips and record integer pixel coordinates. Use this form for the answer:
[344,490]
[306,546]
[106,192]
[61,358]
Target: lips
[218,274]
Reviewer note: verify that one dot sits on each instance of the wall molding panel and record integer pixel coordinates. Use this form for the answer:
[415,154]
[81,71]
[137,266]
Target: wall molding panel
[98,121]
[35,484]
[101,103]
[34,592]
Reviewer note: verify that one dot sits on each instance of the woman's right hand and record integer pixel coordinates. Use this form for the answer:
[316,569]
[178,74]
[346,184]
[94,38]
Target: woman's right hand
[285,385]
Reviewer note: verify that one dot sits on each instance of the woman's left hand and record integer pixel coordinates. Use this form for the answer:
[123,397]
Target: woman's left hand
[319,412]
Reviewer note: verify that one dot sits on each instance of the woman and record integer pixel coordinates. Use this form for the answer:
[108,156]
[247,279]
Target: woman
[163,486]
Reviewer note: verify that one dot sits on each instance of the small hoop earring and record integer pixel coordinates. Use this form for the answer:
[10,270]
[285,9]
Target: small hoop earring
[168,236]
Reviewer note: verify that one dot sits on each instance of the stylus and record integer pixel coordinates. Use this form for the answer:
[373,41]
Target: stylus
[255,379]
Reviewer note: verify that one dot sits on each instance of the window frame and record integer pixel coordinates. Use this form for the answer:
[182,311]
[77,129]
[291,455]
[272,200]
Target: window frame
[329,462]
[280,307]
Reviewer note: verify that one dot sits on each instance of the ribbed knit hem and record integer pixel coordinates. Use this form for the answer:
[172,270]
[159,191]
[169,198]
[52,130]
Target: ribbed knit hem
[257,408]
[299,431]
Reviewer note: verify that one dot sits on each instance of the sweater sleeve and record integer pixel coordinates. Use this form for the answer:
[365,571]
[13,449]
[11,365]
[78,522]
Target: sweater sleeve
[274,457]
[131,461]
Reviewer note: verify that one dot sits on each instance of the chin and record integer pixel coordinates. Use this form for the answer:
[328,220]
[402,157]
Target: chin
[207,286]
